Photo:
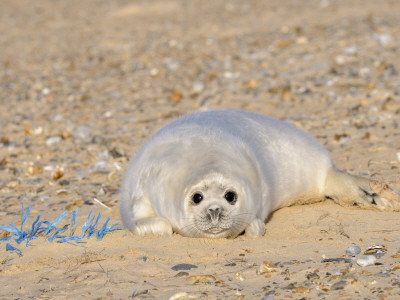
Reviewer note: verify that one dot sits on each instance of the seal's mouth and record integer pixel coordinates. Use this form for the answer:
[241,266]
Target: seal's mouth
[215,230]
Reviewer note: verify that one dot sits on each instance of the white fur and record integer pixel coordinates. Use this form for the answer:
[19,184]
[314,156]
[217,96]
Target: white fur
[269,163]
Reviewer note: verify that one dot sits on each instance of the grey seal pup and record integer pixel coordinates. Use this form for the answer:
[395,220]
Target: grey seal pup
[221,173]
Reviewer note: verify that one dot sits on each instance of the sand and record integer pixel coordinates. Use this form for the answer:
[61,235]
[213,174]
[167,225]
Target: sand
[83,84]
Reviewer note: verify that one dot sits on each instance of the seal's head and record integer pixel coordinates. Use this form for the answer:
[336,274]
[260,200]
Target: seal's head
[215,209]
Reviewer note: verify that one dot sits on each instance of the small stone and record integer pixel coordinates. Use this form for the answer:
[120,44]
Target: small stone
[13,184]
[383,39]
[98,139]
[53,140]
[33,170]
[366,260]
[100,166]
[290,286]
[312,276]
[271,292]
[235,285]
[62,192]
[301,290]
[267,298]
[112,176]
[350,50]
[340,285]
[116,152]
[301,40]
[185,267]
[182,274]
[175,97]
[240,277]
[202,278]
[353,250]
[230,265]
[65,134]
[337,260]
[57,174]
[63,182]
[197,87]
[82,132]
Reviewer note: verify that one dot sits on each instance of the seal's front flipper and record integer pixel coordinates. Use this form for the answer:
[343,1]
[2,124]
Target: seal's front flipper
[355,191]
[152,226]
[256,228]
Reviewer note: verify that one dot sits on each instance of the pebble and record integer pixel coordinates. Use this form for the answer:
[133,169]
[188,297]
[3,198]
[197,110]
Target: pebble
[81,132]
[267,298]
[184,267]
[340,285]
[33,170]
[56,174]
[350,50]
[100,140]
[64,182]
[99,166]
[235,285]
[116,152]
[366,260]
[202,278]
[338,260]
[353,250]
[312,276]
[383,38]
[182,274]
[197,87]
[53,140]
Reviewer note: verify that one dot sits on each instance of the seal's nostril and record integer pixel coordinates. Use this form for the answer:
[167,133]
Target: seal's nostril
[214,213]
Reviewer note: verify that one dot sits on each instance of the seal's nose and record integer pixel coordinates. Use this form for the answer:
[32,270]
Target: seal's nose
[214,212]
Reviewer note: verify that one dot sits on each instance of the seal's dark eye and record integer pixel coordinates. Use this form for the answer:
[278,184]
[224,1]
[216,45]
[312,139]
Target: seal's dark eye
[231,197]
[196,198]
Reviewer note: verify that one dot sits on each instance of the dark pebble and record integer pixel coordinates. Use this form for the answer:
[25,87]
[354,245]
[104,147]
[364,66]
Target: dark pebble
[230,265]
[267,298]
[98,139]
[383,274]
[271,292]
[291,286]
[338,260]
[340,285]
[116,153]
[64,182]
[185,267]
[312,276]
[182,274]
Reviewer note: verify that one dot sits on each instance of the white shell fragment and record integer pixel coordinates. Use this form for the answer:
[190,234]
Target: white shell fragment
[178,295]
[366,260]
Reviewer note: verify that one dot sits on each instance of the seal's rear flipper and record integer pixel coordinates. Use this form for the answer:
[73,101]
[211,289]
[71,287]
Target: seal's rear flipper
[355,191]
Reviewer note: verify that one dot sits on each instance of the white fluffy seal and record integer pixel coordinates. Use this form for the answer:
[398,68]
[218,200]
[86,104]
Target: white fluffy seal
[221,173]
